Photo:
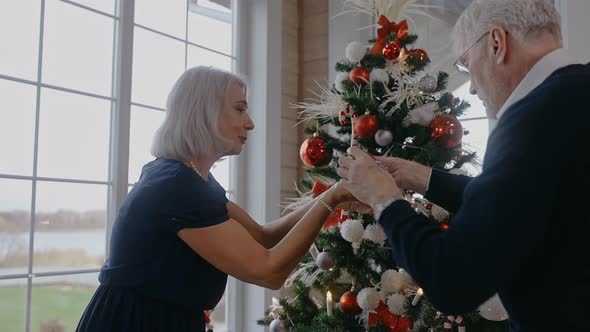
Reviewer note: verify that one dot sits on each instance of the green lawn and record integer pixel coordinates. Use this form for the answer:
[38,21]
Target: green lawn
[62,303]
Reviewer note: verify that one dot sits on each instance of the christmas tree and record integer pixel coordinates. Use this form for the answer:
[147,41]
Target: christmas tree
[383,102]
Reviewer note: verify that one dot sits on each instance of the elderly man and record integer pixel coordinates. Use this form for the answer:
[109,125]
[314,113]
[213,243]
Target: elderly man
[520,228]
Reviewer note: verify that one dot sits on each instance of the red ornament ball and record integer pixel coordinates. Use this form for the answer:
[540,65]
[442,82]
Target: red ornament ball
[314,153]
[366,126]
[359,75]
[349,305]
[419,54]
[446,131]
[392,51]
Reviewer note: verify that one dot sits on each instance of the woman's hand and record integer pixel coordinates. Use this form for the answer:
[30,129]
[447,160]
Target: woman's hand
[407,174]
[367,181]
[343,199]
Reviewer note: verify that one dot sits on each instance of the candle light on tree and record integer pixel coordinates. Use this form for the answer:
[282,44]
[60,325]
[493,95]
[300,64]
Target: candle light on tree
[329,304]
[417,297]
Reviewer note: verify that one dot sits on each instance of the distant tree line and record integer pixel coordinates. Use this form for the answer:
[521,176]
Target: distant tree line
[61,220]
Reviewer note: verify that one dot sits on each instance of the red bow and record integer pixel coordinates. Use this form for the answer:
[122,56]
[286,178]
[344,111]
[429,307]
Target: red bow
[334,218]
[393,322]
[387,28]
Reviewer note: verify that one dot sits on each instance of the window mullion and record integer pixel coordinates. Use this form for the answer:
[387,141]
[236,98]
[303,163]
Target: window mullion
[121,112]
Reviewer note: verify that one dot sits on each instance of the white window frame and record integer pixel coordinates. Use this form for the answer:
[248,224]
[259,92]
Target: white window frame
[118,182]
[255,175]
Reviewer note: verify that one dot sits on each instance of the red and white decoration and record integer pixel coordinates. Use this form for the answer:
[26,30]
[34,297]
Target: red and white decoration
[458,320]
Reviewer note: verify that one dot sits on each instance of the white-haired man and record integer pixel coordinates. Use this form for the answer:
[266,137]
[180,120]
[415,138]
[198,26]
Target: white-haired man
[520,228]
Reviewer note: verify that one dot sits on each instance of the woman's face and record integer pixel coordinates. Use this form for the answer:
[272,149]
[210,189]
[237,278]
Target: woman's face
[234,120]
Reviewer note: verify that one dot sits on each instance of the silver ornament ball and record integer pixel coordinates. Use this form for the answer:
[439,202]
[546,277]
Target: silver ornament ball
[277,325]
[427,84]
[325,261]
[383,137]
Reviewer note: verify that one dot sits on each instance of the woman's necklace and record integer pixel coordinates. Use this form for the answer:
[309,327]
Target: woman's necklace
[192,165]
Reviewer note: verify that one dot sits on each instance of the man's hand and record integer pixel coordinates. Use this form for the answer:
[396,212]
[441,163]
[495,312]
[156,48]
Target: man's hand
[366,180]
[407,174]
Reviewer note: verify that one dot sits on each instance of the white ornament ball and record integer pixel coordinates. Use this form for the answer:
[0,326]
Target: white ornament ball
[422,115]
[379,75]
[355,51]
[325,261]
[439,213]
[427,84]
[393,68]
[277,325]
[493,309]
[396,304]
[368,299]
[458,171]
[375,233]
[340,77]
[393,281]
[352,230]
[383,137]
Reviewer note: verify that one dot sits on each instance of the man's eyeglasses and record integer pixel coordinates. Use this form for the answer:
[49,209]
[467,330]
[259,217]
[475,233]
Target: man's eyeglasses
[460,63]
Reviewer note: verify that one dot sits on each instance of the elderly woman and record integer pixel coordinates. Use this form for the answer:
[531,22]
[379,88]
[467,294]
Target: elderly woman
[177,237]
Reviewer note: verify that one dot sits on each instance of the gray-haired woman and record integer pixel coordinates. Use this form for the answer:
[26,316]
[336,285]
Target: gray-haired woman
[177,237]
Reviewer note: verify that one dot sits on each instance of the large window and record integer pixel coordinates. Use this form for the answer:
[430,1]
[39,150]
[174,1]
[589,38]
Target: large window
[59,129]
[476,122]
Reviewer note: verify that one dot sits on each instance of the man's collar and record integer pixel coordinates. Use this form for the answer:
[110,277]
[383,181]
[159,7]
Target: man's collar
[551,62]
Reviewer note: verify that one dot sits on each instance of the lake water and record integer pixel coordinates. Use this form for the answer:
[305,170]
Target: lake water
[92,243]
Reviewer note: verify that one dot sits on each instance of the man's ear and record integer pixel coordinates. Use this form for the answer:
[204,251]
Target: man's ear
[499,41]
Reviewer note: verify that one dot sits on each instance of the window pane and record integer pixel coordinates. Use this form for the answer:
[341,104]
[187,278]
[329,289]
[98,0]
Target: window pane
[477,140]
[158,61]
[77,48]
[201,57]
[165,16]
[107,6]
[144,123]
[13,298]
[19,38]
[477,110]
[15,220]
[223,6]
[210,32]
[70,226]
[17,127]
[73,136]
[220,171]
[58,302]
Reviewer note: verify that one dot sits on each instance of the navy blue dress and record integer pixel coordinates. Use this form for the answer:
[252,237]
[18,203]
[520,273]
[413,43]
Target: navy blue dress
[153,281]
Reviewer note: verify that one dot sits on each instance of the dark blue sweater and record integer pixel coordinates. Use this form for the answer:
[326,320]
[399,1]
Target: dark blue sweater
[521,227]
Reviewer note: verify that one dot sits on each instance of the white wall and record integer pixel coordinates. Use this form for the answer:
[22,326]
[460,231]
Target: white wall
[576,26]
[344,29]
[256,173]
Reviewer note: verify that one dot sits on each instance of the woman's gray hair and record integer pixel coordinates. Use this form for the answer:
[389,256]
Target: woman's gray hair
[190,129]
[522,18]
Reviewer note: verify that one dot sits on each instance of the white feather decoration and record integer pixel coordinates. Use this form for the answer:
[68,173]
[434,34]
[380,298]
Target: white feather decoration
[325,106]
[394,10]
[407,91]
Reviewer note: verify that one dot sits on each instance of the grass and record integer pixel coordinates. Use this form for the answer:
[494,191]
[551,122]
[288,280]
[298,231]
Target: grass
[49,302]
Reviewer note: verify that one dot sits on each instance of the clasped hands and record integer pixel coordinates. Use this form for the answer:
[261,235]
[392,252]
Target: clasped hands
[377,180]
